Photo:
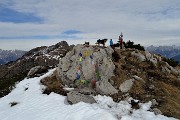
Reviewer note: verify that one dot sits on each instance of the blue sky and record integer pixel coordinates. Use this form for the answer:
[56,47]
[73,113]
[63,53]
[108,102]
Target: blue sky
[45,22]
[10,15]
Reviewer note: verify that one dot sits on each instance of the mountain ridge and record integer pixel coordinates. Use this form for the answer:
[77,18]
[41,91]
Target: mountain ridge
[45,56]
[166,51]
[91,70]
[177,57]
[10,55]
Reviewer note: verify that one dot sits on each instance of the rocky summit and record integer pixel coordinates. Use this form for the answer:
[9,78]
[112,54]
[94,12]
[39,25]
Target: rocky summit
[89,70]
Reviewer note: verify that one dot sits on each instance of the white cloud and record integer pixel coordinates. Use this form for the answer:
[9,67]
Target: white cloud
[145,22]
[28,29]
[31,43]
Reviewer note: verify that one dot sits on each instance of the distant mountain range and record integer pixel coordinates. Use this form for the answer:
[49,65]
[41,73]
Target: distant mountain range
[166,51]
[177,57]
[10,55]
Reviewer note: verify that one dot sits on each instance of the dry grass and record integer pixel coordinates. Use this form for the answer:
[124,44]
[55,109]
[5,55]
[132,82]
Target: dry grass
[155,73]
[173,80]
[120,75]
[171,77]
[172,105]
[133,61]
[177,83]
[166,86]
[138,87]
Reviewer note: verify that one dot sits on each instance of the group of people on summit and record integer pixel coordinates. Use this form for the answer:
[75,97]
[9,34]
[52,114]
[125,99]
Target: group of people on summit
[120,43]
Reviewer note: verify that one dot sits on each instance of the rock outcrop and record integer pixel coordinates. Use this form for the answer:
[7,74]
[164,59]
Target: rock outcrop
[75,97]
[105,88]
[126,85]
[87,64]
[138,55]
[37,71]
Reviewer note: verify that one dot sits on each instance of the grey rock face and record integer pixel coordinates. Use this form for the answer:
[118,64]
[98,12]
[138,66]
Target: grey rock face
[173,71]
[86,91]
[104,87]
[156,111]
[36,70]
[109,51]
[139,56]
[165,70]
[154,102]
[126,85]
[150,57]
[136,77]
[169,69]
[91,63]
[88,69]
[107,67]
[88,63]
[75,97]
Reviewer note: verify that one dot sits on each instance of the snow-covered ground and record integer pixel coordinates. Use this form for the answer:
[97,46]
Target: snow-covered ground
[33,105]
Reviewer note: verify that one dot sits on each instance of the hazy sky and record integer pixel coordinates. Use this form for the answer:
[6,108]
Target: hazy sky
[25,24]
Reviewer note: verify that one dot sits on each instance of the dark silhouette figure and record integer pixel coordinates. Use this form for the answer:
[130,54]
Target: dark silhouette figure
[103,41]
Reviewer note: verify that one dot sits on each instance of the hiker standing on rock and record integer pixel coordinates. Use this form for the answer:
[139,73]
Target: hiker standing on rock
[111,43]
[121,40]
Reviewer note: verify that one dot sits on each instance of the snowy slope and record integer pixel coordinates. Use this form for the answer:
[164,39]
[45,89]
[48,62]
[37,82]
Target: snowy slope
[33,105]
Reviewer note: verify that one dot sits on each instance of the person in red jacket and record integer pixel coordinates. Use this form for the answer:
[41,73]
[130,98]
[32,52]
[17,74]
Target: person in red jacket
[121,40]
